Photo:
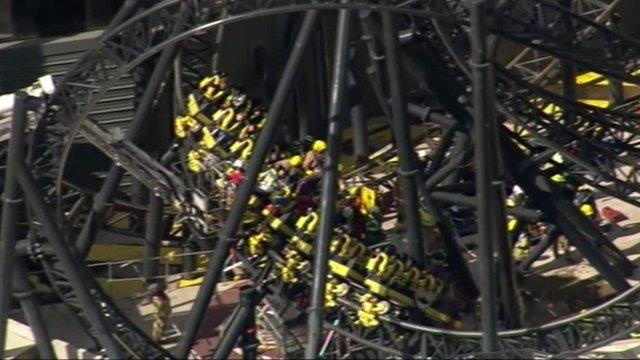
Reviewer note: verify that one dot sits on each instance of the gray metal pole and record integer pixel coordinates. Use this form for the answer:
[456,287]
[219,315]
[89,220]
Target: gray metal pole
[402,137]
[241,319]
[189,261]
[265,140]
[549,239]
[69,261]
[616,92]
[153,237]
[509,300]
[359,124]
[484,114]
[23,291]
[11,205]
[329,192]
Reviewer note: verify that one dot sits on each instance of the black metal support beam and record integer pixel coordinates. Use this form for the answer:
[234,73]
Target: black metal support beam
[24,292]
[153,237]
[510,304]
[308,98]
[330,176]
[69,261]
[454,249]
[538,250]
[484,115]
[234,218]
[368,26]
[568,72]
[95,219]
[11,207]
[616,92]
[402,136]
[240,320]
[460,152]
[438,156]
[359,127]
[570,221]
[125,12]
[360,135]
[469,201]
[569,80]
[567,68]
[189,261]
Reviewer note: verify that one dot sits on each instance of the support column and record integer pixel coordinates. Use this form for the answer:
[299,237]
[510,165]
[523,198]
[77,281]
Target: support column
[330,177]
[139,197]
[616,92]
[484,115]
[358,123]
[547,242]
[567,68]
[374,71]
[24,292]
[265,140]
[402,137]
[189,261]
[509,300]
[241,319]
[153,237]
[546,196]
[11,207]
[459,150]
[69,261]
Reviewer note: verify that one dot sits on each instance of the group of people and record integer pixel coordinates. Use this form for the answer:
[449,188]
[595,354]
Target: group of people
[220,128]
[524,235]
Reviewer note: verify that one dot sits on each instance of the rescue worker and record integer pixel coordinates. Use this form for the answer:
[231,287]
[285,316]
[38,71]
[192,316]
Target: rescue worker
[585,201]
[514,225]
[314,158]
[522,247]
[162,307]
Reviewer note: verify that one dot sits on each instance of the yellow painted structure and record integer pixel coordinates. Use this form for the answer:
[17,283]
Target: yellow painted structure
[114,253]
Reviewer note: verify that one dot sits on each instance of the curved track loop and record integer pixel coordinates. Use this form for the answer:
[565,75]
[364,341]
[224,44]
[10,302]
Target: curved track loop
[611,133]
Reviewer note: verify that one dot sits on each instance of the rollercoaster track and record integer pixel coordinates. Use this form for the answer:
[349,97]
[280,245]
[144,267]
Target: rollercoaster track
[616,316]
[609,120]
[570,336]
[76,100]
[616,58]
[534,121]
[94,74]
[515,96]
[554,327]
[542,27]
[118,30]
[130,338]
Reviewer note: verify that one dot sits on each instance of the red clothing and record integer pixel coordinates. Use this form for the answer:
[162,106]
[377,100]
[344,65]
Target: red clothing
[236,177]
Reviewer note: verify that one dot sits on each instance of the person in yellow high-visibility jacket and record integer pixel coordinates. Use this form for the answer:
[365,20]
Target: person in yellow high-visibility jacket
[162,306]
[522,247]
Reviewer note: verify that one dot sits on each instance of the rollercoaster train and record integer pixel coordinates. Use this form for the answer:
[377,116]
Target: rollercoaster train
[389,193]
